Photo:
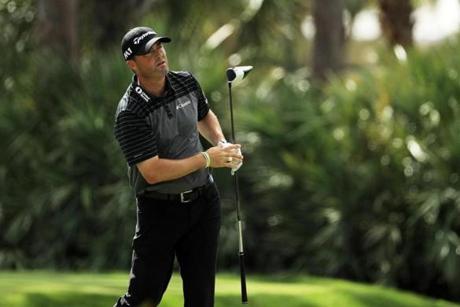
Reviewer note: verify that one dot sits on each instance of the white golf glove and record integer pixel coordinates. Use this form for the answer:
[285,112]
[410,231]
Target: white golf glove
[224,144]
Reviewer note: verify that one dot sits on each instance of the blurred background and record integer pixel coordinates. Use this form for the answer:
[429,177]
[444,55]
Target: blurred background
[350,125]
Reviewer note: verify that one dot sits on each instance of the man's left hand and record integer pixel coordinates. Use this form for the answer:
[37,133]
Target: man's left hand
[235,164]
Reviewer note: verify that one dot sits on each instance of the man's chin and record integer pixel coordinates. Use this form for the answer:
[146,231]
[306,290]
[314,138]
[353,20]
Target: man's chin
[163,70]
[157,73]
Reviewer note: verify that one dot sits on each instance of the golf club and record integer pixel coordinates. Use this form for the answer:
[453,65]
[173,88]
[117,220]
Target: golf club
[233,75]
[238,73]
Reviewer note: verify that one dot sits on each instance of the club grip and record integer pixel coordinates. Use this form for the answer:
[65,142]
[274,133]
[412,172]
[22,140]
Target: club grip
[244,294]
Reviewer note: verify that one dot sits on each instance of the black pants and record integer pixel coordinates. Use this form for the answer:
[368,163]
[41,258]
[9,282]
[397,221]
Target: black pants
[166,229]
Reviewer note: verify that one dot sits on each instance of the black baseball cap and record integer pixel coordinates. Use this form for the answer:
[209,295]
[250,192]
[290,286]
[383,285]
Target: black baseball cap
[139,40]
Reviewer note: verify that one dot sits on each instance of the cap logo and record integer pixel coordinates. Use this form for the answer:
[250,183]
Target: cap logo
[138,39]
[127,53]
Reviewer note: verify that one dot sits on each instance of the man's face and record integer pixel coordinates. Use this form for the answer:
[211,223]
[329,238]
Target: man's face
[153,64]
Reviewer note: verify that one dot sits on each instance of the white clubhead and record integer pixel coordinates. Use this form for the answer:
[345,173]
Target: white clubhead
[238,73]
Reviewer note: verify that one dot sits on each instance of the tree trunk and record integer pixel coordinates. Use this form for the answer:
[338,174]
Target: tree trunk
[57,24]
[328,52]
[396,22]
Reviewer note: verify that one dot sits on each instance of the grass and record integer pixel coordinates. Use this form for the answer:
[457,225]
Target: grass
[49,289]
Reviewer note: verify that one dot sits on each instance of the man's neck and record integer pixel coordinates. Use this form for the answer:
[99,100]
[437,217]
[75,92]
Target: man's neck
[155,87]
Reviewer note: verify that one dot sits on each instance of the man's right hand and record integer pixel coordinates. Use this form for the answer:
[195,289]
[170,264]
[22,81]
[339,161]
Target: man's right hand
[228,156]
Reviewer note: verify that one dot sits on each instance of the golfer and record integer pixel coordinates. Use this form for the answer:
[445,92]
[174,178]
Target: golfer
[158,122]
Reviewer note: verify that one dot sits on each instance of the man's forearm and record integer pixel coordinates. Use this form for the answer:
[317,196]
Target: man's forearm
[157,170]
[209,127]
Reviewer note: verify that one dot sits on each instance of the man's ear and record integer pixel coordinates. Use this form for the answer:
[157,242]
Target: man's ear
[132,65]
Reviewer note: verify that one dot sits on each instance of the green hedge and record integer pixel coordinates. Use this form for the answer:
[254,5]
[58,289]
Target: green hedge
[361,179]
[358,180]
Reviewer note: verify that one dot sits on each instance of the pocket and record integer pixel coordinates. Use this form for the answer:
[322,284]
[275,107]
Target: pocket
[212,193]
[150,214]
[142,220]
[213,203]
[149,224]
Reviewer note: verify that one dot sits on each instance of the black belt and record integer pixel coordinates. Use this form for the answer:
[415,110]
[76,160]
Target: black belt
[184,197]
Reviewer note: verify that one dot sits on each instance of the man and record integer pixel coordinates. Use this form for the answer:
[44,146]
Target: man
[178,207]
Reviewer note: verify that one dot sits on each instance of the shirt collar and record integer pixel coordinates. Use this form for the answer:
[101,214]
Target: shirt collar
[146,96]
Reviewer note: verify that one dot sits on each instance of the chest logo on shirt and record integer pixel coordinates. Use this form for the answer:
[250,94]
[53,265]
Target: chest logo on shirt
[183,104]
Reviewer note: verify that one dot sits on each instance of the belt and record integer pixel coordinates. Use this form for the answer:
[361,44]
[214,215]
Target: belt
[184,197]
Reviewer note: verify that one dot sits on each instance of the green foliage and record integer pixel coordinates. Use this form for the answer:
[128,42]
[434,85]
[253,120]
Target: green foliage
[16,18]
[92,290]
[62,182]
[359,180]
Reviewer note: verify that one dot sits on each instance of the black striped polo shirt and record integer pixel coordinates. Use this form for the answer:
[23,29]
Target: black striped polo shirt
[148,126]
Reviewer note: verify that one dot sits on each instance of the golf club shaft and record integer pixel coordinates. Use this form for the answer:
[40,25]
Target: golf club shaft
[244,295]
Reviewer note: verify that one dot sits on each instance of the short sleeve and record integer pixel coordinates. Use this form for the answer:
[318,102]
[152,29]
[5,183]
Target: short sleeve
[203,106]
[135,137]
